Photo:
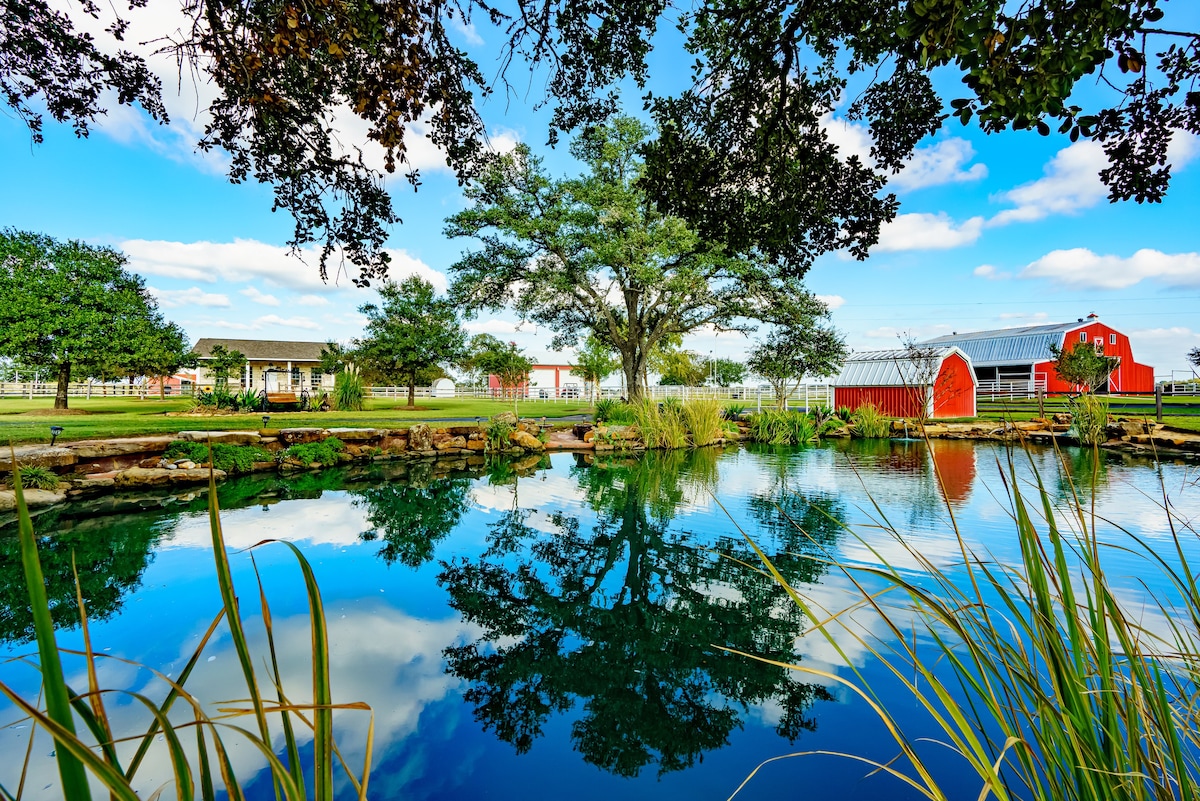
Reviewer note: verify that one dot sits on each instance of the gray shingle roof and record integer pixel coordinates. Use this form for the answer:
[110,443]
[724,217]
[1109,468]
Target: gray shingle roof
[1025,345]
[885,368]
[269,350]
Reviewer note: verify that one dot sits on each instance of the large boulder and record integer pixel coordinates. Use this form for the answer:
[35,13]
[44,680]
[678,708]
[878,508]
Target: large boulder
[222,437]
[420,437]
[162,477]
[37,456]
[529,427]
[452,443]
[526,440]
[299,436]
[107,448]
[505,417]
[356,434]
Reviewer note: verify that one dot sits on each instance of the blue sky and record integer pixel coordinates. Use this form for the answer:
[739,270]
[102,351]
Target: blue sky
[994,231]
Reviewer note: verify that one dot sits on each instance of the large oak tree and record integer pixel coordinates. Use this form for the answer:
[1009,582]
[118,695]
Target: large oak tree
[68,305]
[593,256]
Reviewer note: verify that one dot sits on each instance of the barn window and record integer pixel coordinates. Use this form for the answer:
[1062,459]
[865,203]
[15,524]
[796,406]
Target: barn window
[1112,339]
[1083,336]
[1098,344]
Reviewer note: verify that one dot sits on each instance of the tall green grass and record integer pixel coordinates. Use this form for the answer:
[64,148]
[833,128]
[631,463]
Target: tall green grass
[1089,419]
[660,425]
[85,744]
[703,418]
[778,427]
[868,422]
[1045,681]
[349,393]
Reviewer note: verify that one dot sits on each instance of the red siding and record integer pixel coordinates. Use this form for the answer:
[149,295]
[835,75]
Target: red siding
[1129,376]
[955,389]
[892,401]
[955,463]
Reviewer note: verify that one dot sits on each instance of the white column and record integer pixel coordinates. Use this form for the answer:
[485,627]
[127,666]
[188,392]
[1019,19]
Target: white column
[289,375]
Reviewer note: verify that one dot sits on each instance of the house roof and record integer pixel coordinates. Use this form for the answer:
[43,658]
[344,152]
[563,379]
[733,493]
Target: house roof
[889,368]
[1027,345]
[264,350]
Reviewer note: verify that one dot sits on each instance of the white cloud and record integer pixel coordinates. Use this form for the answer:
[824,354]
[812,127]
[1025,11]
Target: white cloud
[496,326]
[193,296]
[287,322]
[851,139]
[991,273]
[927,232]
[832,301]
[260,297]
[312,300]
[944,162]
[1034,317]
[1072,181]
[1165,348]
[244,260]
[1080,267]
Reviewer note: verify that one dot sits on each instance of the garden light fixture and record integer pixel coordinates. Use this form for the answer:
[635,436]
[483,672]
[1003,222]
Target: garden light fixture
[54,432]
[266,419]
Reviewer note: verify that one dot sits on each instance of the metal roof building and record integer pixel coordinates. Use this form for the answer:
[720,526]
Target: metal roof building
[940,381]
[1008,358]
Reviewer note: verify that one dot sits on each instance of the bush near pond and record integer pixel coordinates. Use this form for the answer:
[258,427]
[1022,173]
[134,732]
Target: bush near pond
[230,458]
[324,452]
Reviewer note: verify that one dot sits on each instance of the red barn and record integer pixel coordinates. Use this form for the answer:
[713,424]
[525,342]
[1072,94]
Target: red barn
[941,380]
[1016,356]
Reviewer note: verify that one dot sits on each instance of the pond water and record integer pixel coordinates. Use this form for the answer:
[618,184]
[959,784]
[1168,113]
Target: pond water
[555,628]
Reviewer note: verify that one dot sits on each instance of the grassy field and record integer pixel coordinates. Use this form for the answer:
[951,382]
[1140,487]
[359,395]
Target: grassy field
[24,420]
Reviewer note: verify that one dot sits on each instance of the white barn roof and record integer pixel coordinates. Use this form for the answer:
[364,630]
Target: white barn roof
[1027,345]
[891,368]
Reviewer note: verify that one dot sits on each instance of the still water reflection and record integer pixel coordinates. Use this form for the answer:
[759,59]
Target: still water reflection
[560,625]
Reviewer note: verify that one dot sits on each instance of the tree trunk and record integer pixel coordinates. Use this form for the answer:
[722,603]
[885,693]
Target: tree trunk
[162,387]
[633,381]
[412,389]
[64,378]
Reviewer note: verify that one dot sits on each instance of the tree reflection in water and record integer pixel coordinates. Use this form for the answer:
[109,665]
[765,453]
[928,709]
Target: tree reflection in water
[110,553]
[626,618]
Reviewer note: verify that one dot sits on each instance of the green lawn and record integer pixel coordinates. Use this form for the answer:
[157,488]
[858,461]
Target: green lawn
[127,417]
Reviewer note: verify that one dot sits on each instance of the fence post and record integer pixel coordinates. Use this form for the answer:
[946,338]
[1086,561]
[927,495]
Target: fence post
[1041,397]
[1158,395]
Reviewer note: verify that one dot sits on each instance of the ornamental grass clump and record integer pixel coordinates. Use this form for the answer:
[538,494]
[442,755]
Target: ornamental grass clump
[868,422]
[1044,678]
[703,420]
[349,394]
[95,760]
[661,424]
[616,412]
[1089,419]
[41,478]
[779,427]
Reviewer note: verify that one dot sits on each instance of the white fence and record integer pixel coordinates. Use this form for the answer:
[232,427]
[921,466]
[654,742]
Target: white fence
[1010,390]
[806,395]
[85,389]
[1188,388]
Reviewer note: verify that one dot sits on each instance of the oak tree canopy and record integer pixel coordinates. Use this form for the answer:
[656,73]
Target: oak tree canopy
[742,153]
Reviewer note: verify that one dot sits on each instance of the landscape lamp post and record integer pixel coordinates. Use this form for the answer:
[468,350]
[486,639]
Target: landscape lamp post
[54,432]
[266,419]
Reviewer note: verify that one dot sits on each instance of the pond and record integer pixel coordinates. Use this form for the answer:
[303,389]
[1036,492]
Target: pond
[558,627]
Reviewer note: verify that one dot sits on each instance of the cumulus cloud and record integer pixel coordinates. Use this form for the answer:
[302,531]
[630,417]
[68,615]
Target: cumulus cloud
[1080,267]
[260,323]
[944,162]
[927,232]
[193,296]
[244,260]
[496,326]
[260,297]
[1072,182]
[312,300]
[991,273]
[1164,348]
[832,301]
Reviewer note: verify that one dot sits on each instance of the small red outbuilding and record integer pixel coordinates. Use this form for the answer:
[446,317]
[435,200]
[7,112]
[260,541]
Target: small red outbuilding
[942,380]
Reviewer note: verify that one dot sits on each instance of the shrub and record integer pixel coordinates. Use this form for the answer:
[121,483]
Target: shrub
[496,434]
[35,478]
[733,411]
[324,452]
[1089,419]
[844,413]
[230,458]
[611,410]
[868,422]
[247,400]
[348,391]
[703,419]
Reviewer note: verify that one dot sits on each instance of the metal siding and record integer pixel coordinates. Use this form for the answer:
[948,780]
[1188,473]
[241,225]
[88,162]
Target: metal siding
[955,393]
